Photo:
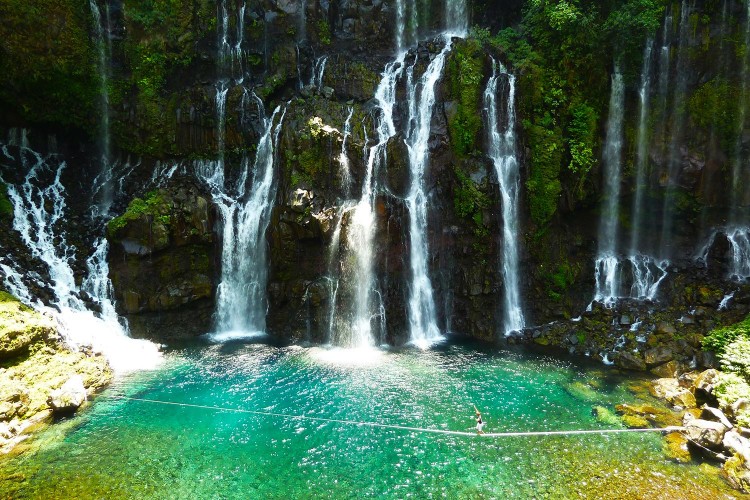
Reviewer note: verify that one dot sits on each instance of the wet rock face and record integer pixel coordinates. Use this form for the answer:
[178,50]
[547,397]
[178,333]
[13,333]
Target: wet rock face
[162,263]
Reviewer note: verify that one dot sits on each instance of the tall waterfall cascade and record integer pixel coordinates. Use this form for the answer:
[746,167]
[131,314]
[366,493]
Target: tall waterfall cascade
[245,210]
[502,151]
[679,89]
[361,322]
[456,17]
[607,262]
[39,213]
[104,195]
[423,326]
[737,229]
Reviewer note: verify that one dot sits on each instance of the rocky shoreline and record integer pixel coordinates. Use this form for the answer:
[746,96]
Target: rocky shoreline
[41,378]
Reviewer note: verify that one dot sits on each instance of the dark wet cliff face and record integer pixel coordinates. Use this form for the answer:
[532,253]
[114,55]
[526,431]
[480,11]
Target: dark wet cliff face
[168,67]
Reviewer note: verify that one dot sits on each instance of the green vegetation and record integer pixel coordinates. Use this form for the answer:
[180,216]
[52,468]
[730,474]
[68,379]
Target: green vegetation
[720,338]
[324,32]
[161,41]
[559,281]
[736,358]
[470,202]
[6,207]
[563,53]
[48,62]
[713,107]
[465,68]
[729,388]
[155,205]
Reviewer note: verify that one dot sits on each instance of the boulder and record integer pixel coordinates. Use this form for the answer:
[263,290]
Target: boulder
[20,327]
[705,433]
[706,381]
[664,328]
[658,356]
[660,388]
[669,390]
[739,406]
[669,369]
[69,397]
[737,444]
[629,361]
[659,417]
[716,415]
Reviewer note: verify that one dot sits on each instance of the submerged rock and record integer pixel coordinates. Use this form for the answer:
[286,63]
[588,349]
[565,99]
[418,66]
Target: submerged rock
[675,446]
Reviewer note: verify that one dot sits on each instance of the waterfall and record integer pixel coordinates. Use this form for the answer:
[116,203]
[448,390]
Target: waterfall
[241,294]
[641,159]
[104,49]
[39,214]
[407,24]
[344,164]
[664,60]
[422,315]
[647,275]
[360,232]
[456,17]
[678,123]
[738,164]
[318,70]
[739,242]
[502,151]
[607,275]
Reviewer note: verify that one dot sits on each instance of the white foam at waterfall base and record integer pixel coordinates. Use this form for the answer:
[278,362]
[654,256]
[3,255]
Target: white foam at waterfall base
[39,208]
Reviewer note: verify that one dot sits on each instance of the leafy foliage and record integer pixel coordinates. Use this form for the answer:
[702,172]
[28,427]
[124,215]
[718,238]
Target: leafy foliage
[563,52]
[736,358]
[729,388]
[465,69]
[718,339]
[469,201]
[714,107]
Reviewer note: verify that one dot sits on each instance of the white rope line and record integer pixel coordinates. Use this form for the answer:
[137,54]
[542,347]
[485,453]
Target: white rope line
[399,427]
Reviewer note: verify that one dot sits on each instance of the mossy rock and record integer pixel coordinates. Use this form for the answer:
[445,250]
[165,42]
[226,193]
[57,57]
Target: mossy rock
[20,327]
[675,447]
[735,471]
[606,416]
[653,415]
[48,368]
[635,422]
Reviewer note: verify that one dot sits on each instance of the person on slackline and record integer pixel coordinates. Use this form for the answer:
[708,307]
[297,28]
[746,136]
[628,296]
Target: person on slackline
[480,422]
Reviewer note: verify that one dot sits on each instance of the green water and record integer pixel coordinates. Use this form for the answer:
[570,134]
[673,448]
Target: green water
[133,449]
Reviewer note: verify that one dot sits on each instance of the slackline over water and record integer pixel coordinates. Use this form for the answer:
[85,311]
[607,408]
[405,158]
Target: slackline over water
[398,427]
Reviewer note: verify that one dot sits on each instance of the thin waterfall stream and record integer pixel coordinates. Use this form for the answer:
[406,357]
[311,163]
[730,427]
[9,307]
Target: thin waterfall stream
[502,151]
[421,102]
[607,262]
